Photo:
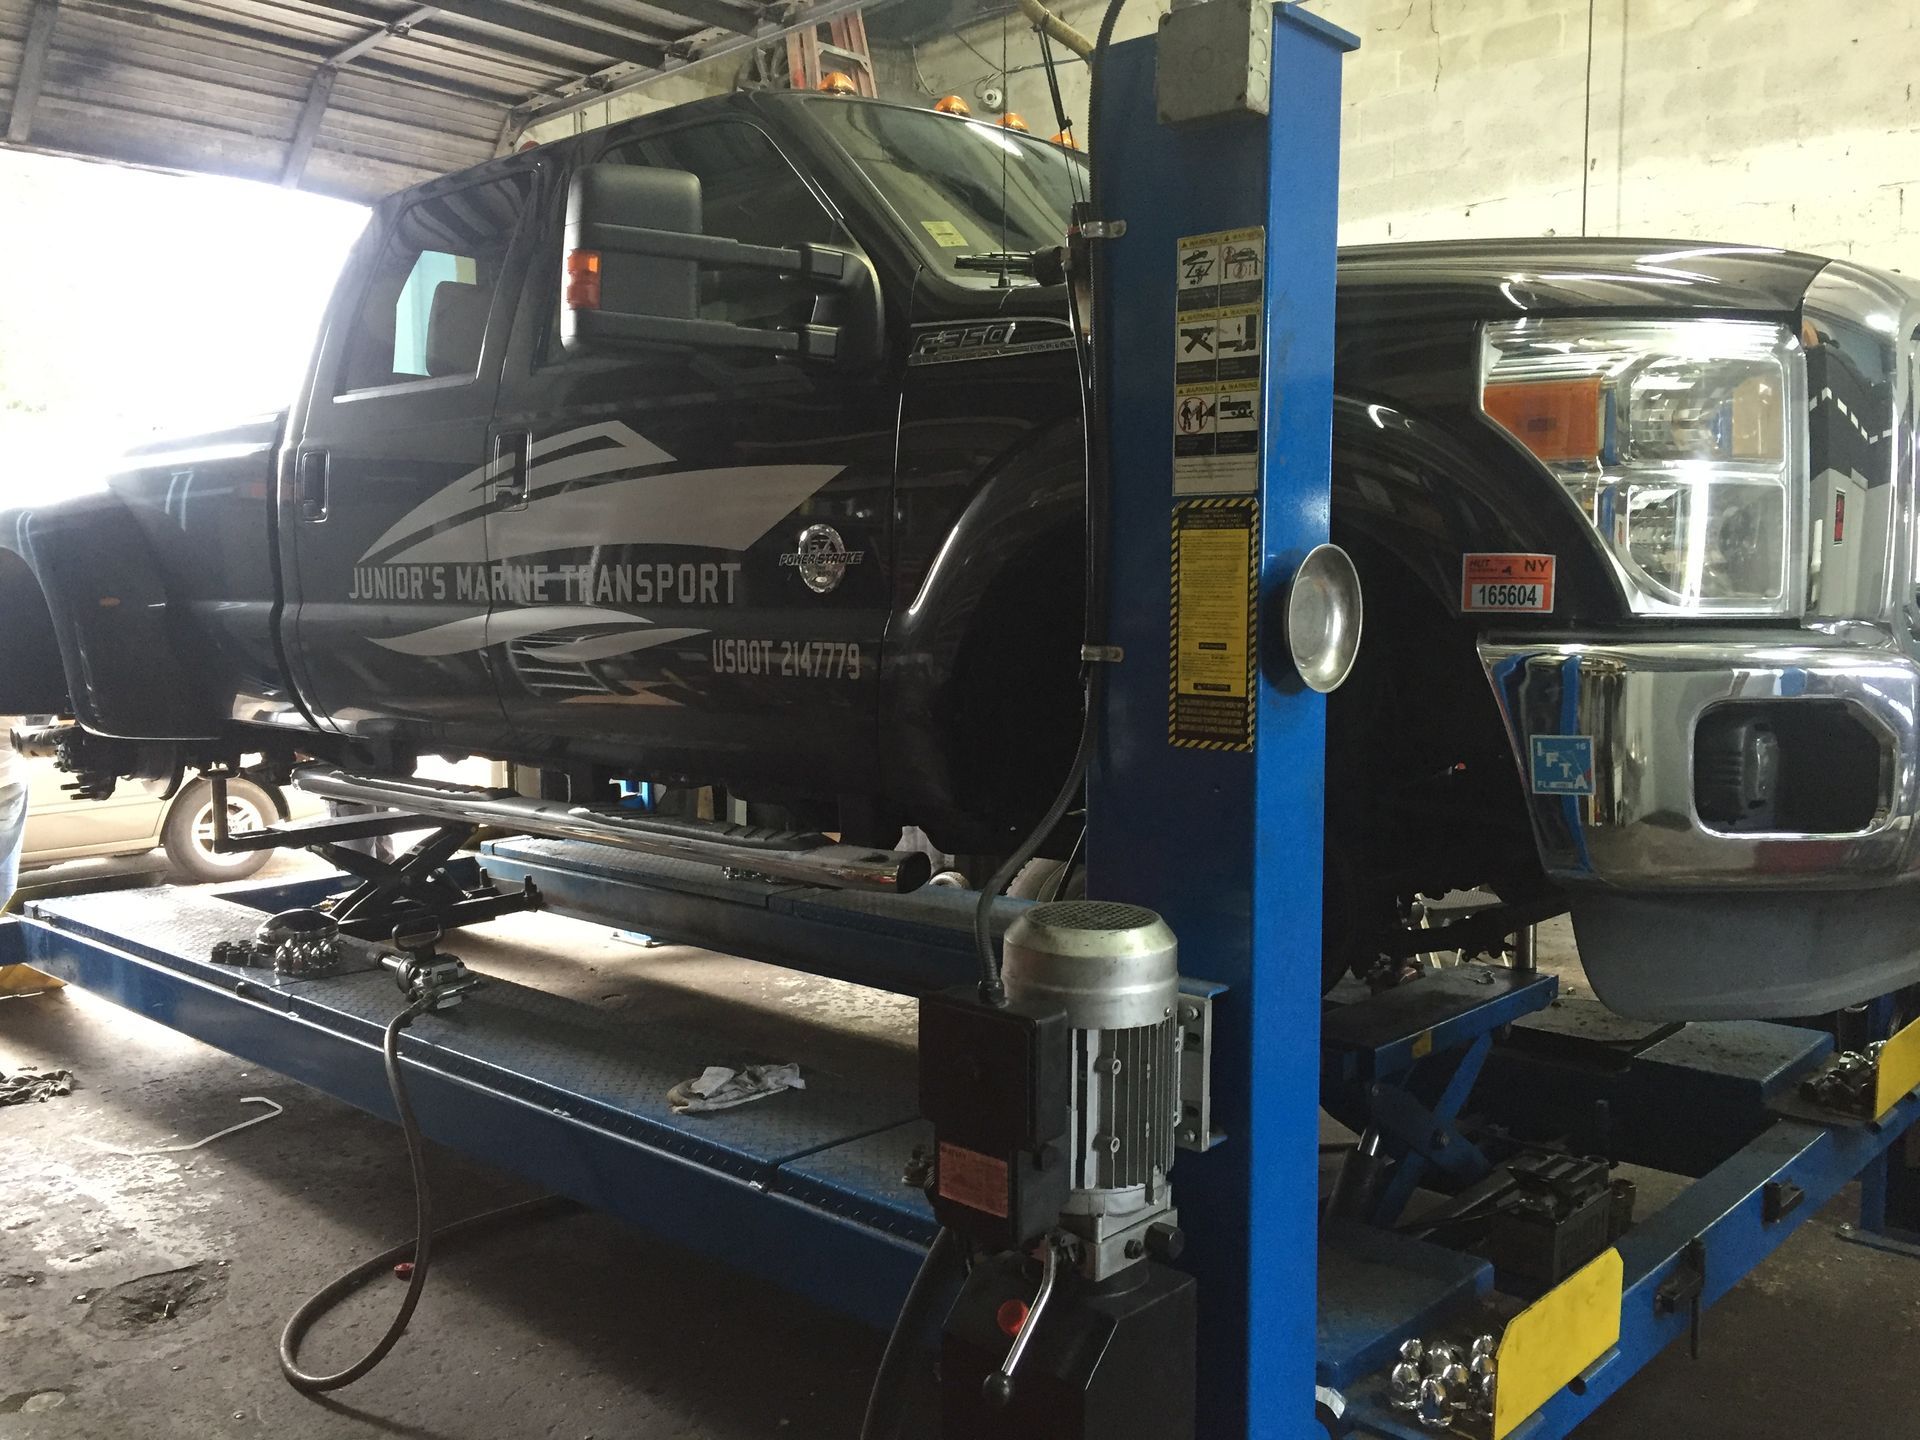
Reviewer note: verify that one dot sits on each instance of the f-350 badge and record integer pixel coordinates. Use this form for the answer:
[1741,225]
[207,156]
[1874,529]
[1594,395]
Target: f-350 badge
[822,558]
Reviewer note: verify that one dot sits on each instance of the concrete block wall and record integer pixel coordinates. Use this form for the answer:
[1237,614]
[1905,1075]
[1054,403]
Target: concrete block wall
[1778,122]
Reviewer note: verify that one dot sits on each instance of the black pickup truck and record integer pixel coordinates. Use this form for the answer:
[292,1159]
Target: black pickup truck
[1635,521]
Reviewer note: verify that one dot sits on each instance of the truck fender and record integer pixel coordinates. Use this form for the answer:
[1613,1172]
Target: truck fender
[1430,494]
[89,630]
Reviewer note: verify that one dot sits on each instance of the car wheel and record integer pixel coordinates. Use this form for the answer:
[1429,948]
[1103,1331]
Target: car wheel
[187,837]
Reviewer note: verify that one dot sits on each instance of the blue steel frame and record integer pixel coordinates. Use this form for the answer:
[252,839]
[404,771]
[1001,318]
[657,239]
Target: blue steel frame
[1227,845]
[1726,1212]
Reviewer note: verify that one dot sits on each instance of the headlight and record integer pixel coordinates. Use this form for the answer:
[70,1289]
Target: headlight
[1682,442]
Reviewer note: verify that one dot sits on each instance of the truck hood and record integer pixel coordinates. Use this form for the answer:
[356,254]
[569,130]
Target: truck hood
[1492,279]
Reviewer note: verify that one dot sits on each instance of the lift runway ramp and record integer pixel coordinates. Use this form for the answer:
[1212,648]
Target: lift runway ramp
[806,1187]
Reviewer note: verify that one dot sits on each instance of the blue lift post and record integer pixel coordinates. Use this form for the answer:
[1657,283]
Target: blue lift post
[1218,831]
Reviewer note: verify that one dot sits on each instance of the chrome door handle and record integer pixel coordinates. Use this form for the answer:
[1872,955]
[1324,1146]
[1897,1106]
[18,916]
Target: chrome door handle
[512,467]
[312,481]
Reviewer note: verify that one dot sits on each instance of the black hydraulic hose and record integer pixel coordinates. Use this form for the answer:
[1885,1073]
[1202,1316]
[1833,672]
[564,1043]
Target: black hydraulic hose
[1053,83]
[1096,71]
[886,1405]
[993,990]
[419,1249]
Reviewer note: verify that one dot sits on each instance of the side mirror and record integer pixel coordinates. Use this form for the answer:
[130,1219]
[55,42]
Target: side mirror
[633,256]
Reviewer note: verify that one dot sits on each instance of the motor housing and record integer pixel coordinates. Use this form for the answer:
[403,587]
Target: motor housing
[1114,969]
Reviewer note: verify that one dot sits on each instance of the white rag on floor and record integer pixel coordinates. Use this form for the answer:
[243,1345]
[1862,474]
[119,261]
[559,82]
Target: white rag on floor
[719,1088]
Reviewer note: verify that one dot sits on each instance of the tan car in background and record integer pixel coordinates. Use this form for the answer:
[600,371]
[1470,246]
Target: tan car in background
[141,816]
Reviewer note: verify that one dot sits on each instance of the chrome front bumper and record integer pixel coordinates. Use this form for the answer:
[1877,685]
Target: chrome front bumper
[1631,822]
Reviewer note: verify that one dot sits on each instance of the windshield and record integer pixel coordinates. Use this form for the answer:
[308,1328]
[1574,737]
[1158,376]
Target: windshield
[959,187]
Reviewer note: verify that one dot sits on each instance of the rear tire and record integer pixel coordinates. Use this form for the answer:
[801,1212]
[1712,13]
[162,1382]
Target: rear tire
[187,836]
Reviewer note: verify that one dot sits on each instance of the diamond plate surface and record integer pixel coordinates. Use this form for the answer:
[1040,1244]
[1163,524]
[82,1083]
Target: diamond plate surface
[864,1179]
[609,1069]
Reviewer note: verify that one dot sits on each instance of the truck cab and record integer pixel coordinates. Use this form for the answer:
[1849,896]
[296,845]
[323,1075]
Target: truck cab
[496,544]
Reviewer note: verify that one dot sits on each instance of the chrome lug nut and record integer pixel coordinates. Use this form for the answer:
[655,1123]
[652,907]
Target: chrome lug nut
[1403,1386]
[1435,1409]
[1459,1384]
[1483,1345]
[1438,1357]
[1411,1351]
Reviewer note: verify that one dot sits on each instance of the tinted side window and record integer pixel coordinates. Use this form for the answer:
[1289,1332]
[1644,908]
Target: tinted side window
[748,192]
[423,315]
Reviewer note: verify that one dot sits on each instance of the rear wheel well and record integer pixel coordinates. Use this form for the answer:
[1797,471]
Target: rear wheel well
[33,681]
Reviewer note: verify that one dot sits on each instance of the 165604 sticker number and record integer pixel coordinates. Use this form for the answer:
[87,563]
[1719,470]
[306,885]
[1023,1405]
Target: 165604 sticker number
[1513,584]
[790,659]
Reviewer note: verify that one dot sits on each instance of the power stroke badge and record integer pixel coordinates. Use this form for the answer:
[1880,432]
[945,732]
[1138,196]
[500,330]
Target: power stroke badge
[822,558]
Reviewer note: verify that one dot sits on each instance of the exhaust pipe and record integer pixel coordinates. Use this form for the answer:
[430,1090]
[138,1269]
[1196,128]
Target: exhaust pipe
[809,858]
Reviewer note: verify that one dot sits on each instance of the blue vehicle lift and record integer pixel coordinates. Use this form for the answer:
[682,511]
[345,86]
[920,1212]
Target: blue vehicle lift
[1209,812]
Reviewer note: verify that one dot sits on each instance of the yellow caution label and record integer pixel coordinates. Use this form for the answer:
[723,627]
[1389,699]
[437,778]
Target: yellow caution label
[1899,1070]
[1555,1339]
[945,234]
[1210,692]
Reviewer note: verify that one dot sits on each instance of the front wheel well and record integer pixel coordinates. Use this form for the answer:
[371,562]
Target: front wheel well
[1423,792]
[33,679]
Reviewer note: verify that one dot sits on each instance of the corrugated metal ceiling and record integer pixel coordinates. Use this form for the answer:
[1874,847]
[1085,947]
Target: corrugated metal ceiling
[354,98]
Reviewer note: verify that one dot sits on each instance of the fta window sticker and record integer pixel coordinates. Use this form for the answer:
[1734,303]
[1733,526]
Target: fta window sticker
[1562,764]
[945,234]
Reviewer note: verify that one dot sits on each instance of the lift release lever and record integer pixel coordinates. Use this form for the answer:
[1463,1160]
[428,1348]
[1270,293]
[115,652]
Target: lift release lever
[998,1387]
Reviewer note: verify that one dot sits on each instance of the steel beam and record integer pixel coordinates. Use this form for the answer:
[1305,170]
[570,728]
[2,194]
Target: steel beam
[558,29]
[347,54]
[493,44]
[307,129]
[607,84]
[33,71]
[706,14]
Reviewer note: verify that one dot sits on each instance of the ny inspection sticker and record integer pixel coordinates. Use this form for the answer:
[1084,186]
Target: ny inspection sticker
[1515,584]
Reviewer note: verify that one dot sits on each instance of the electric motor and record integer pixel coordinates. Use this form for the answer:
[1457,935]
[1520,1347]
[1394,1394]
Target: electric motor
[1115,970]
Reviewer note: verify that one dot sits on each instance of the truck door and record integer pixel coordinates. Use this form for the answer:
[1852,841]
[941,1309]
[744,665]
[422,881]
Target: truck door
[391,451]
[696,573]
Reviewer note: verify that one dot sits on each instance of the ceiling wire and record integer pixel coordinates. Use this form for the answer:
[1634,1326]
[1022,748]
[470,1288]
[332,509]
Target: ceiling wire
[1586,128]
[1006,103]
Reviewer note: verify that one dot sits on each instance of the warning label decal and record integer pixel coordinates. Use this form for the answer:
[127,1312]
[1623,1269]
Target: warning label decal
[969,1178]
[1214,633]
[1515,584]
[1217,346]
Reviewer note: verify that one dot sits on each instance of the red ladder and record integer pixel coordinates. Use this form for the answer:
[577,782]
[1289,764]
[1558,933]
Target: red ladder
[840,44]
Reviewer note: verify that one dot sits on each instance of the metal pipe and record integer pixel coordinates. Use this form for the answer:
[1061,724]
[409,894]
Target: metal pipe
[809,859]
[1049,23]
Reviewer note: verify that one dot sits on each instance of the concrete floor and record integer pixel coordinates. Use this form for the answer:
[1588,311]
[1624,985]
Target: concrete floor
[143,1296]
